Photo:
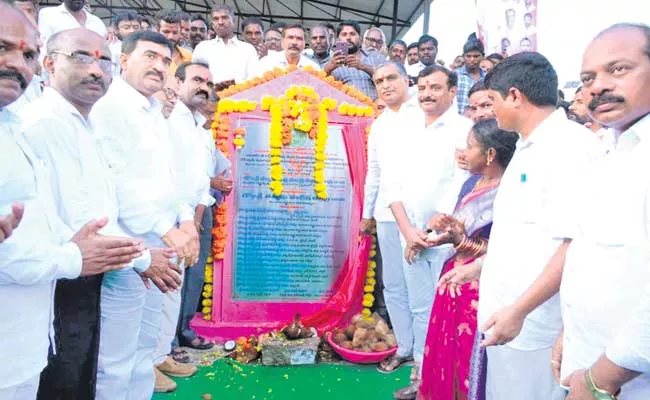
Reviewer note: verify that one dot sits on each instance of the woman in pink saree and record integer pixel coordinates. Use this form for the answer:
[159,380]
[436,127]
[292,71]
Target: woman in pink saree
[452,326]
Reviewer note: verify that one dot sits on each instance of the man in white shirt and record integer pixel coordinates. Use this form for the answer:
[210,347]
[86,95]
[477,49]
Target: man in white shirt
[604,347]
[58,129]
[69,15]
[193,148]
[230,59]
[134,140]
[425,180]
[41,249]
[293,44]
[124,23]
[552,158]
[384,142]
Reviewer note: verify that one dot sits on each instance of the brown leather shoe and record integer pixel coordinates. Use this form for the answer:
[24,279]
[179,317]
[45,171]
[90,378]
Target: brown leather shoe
[163,383]
[172,367]
[408,393]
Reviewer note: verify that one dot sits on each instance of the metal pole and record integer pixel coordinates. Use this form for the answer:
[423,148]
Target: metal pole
[427,11]
[394,30]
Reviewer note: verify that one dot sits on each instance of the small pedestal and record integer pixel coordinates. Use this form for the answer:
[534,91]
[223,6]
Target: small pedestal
[289,352]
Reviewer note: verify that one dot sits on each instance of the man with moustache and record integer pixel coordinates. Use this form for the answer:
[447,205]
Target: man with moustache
[198,30]
[194,142]
[134,140]
[431,159]
[253,33]
[412,60]
[603,351]
[41,249]
[397,51]
[59,131]
[242,60]
[124,24]
[293,43]
[384,142]
[356,66]
[480,104]
[579,112]
[169,25]
[69,15]
[320,44]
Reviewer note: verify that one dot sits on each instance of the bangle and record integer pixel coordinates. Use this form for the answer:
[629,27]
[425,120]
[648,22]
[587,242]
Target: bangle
[598,393]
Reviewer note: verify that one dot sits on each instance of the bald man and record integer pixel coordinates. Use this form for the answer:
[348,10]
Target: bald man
[58,128]
[41,249]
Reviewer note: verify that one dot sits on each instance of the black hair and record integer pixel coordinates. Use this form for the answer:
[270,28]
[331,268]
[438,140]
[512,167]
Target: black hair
[645,29]
[531,73]
[474,45]
[452,78]
[495,56]
[223,7]
[528,14]
[398,42]
[330,26]
[278,26]
[292,26]
[272,30]
[412,45]
[252,21]
[489,136]
[578,90]
[147,19]
[183,16]
[180,71]
[199,18]
[125,16]
[354,24]
[563,105]
[479,86]
[399,66]
[426,39]
[131,42]
[168,16]
[560,94]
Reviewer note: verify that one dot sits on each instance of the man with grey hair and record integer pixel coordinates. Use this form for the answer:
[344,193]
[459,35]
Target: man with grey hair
[374,39]
[230,59]
[383,143]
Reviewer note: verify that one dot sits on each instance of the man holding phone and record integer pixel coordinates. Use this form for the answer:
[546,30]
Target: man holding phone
[350,63]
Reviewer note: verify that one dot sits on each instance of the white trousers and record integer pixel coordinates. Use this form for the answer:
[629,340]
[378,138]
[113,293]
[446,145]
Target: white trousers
[395,292]
[421,281]
[515,375]
[130,326]
[24,391]
[171,309]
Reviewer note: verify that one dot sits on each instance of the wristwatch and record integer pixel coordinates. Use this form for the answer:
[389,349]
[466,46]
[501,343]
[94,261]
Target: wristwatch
[598,393]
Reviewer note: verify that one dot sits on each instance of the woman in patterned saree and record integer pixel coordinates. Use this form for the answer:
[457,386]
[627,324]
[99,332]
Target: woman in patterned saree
[452,326]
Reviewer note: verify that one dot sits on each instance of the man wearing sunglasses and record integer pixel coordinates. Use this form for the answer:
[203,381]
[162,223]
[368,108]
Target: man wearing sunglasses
[59,130]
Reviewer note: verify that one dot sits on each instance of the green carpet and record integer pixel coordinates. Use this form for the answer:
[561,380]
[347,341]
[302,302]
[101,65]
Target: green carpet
[227,380]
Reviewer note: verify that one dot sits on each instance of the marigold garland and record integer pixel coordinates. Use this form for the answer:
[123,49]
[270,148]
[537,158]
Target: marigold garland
[206,303]
[369,288]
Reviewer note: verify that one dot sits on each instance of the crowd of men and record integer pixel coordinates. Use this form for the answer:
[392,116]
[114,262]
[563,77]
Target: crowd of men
[110,174]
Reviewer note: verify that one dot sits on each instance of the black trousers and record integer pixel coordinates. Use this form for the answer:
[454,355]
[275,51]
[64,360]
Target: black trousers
[71,373]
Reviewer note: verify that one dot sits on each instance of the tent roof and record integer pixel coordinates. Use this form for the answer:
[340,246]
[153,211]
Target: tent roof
[308,12]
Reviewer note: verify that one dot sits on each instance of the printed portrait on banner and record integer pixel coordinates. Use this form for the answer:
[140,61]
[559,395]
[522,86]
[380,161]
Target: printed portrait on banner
[507,26]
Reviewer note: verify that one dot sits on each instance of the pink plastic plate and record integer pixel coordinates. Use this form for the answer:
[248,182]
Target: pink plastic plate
[358,357]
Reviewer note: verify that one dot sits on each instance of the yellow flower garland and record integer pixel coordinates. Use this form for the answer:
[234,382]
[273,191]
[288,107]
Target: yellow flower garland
[206,310]
[369,288]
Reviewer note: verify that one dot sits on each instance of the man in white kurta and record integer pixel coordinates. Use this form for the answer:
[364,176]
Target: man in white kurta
[293,44]
[605,287]
[39,251]
[426,181]
[551,158]
[192,164]
[134,140]
[386,140]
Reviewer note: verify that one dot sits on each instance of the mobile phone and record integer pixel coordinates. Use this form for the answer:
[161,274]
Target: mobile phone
[342,47]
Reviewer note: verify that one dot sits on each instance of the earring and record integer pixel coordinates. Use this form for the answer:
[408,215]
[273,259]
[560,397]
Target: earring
[489,161]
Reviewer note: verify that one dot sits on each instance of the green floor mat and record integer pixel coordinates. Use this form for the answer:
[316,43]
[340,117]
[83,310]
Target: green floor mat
[227,380]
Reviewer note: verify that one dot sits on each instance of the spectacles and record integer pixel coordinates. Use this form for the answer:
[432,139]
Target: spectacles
[377,42]
[272,40]
[80,58]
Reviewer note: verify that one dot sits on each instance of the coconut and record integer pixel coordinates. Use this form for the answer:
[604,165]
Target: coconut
[359,337]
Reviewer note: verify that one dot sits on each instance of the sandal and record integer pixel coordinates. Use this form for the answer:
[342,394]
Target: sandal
[392,363]
[199,344]
[181,356]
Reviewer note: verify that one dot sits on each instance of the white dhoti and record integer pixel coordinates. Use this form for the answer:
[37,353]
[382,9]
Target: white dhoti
[395,292]
[23,391]
[515,374]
